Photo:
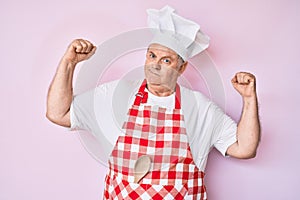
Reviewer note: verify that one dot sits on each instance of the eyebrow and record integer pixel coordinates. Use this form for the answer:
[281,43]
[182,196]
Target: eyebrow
[167,56]
[151,52]
[163,57]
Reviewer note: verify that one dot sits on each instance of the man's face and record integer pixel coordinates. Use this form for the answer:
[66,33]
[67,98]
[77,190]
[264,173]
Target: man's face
[163,66]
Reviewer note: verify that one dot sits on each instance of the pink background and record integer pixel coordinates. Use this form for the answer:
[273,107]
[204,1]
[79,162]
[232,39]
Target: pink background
[40,160]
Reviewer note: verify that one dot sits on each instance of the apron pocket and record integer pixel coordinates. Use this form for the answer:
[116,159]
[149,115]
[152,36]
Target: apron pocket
[123,189]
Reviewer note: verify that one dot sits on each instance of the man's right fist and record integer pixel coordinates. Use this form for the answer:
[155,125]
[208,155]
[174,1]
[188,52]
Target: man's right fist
[79,50]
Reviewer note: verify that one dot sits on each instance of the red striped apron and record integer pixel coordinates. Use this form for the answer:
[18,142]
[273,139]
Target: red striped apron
[160,134]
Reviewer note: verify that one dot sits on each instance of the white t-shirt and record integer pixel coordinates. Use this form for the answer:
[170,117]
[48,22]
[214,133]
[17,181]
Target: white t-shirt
[103,110]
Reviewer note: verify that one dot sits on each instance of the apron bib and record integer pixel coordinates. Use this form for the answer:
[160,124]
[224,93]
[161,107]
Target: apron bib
[160,134]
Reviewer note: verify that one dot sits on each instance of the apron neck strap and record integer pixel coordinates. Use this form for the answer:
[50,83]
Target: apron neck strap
[142,95]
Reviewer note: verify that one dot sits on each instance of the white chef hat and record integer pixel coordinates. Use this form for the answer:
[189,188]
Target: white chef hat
[177,33]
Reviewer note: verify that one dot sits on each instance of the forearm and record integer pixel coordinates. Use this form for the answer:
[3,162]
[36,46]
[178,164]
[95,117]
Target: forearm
[248,130]
[60,94]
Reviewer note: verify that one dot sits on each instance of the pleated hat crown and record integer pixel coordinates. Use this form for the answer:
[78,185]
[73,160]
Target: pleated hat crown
[177,33]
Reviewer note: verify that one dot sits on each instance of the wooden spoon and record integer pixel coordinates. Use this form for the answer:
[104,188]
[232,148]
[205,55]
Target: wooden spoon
[141,168]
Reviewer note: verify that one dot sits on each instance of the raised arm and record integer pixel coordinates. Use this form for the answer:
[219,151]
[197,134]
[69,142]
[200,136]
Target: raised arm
[60,92]
[248,130]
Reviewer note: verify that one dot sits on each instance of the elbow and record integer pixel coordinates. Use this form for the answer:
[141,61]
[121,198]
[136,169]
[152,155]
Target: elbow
[57,119]
[52,117]
[248,155]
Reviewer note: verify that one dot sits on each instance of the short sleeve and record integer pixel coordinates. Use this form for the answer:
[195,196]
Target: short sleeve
[224,130]
[81,111]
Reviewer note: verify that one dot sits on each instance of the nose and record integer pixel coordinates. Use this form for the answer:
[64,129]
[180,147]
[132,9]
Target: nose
[156,66]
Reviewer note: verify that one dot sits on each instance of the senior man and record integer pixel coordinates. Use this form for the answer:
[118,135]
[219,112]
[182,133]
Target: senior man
[162,149]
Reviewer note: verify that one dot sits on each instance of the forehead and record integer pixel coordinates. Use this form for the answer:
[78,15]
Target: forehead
[160,49]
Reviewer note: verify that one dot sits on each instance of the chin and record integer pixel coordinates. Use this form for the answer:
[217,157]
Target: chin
[153,80]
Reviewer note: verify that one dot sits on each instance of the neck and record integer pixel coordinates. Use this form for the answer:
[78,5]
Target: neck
[160,91]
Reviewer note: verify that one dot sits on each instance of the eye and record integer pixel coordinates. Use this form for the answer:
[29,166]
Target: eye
[166,60]
[152,55]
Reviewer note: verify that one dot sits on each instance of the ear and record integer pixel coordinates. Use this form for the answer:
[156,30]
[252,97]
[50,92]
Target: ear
[182,67]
